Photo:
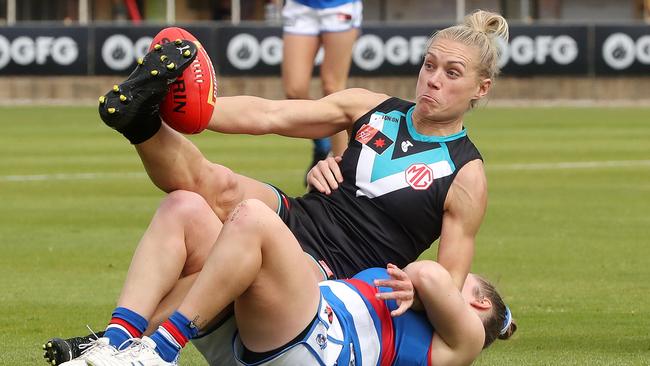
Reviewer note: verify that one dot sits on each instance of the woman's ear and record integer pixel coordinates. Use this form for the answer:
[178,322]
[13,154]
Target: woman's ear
[482,303]
[483,88]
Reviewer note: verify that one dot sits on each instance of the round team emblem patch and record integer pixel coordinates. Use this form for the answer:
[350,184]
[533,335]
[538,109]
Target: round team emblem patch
[419,176]
[321,339]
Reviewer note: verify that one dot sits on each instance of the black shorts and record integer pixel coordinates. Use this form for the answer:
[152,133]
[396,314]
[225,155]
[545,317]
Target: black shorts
[338,237]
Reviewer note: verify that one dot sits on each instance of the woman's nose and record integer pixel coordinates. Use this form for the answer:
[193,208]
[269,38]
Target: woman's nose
[434,80]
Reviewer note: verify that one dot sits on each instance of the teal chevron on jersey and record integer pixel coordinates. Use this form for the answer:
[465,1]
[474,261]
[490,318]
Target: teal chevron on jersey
[385,165]
[424,138]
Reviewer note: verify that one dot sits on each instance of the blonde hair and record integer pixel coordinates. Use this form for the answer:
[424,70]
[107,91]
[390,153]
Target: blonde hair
[480,29]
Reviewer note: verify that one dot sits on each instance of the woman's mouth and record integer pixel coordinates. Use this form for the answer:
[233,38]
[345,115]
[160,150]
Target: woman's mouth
[429,99]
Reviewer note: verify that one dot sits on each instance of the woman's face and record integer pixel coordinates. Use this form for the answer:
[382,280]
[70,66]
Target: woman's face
[448,81]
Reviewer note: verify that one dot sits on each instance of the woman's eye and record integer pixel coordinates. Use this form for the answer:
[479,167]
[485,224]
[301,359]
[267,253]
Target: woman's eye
[453,73]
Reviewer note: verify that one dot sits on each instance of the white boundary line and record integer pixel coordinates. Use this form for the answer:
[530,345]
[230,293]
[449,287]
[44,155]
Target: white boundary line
[522,166]
[570,165]
[72,176]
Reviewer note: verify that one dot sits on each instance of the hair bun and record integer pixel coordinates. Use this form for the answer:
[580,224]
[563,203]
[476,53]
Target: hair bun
[489,23]
[511,330]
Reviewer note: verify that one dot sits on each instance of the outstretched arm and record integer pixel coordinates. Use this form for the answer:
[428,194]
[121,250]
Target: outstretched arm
[464,210]
[294,118]
[459,333]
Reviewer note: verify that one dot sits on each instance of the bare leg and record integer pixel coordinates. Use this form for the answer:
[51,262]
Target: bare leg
[175,245]
[257,262]
[334,72]
[298,55]
[174,299]
[174,163]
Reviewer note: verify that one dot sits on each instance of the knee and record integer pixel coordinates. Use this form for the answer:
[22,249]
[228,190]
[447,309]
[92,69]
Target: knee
[330,88]
[292,92]
[184,206]
[250,216]
[331,84]
[222,190]
[294,89]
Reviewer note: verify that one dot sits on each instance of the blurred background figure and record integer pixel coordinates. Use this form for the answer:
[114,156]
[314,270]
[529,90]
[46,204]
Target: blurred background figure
[308,25]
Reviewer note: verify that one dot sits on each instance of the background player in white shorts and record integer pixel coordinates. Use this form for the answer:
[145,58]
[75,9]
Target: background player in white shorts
[308,25]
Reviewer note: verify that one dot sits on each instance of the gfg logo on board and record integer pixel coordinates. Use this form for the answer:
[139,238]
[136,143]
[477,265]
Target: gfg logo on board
[525,50]
[244,51]
[25,50]
[119,51]
[620,50]
[370,51]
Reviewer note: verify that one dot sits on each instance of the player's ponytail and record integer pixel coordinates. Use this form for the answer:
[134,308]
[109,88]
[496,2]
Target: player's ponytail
[509,331]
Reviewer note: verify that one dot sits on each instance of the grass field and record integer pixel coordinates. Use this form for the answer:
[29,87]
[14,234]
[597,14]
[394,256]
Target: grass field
[566,237]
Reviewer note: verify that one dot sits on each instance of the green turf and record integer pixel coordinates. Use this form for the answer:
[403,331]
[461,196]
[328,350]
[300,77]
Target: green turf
[568,247]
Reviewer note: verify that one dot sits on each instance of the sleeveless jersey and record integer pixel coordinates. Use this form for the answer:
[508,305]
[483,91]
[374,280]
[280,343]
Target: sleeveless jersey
[372,336]
[390,205]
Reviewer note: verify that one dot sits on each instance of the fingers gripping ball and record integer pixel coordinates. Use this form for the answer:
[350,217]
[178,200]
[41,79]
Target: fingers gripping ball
[188,106]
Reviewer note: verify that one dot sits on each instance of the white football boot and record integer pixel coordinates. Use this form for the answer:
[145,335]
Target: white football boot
[141,352]
[96,349]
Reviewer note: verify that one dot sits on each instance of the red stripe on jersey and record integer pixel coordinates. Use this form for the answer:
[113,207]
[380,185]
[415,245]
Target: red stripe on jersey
[429,363]
[387,331]
[178,336]
[133,331]
[286,202]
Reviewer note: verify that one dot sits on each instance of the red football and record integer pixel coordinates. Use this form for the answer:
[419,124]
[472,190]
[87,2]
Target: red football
[190,101]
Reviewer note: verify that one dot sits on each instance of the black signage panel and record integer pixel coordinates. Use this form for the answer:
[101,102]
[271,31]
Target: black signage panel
[398,50]
[43,50]
[622,50]
[117,48]
[546,50]
[248,50]
[384,50]
[378,51]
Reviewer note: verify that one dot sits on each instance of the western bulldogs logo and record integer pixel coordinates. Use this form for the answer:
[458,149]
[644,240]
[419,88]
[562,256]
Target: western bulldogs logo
[321,340]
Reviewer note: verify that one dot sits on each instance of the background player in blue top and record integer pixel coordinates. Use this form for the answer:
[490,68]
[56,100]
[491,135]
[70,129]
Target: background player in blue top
[286,316]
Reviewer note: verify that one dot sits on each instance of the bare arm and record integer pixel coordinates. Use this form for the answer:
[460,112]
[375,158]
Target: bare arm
[464,210]
[294,118]
[174,163]
[459,334]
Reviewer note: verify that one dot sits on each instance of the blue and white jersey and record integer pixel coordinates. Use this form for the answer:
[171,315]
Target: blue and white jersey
[352,328]
[390,205]
[374,337]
